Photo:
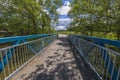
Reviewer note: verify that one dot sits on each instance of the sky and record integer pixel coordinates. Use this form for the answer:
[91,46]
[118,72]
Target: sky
[63,20]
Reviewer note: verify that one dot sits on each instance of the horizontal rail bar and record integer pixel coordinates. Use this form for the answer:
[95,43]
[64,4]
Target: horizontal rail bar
[15,56]
[101,40]
[104,61]
[12,39]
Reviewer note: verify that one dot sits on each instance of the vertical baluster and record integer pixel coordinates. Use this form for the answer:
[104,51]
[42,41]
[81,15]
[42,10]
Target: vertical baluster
[37,47]
[118,76]
[43,42]
[53,37]
[6,51]
[50,39]
[12,67]
[28,51]
[98,61]
[18,57]
[113,67]
[108,66]
[47,41]
[101,62]
[4,71]
[33,43]
[97,57]
[19,50]
[40,45]
[80,45]
[105,63]
[94,55]
[15,58]
[34,47]
[25,52]
[22,50]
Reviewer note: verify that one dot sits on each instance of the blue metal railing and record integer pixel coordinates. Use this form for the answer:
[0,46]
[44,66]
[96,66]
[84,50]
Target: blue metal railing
[11,58]
[104,62]
[102,41]
[19,39]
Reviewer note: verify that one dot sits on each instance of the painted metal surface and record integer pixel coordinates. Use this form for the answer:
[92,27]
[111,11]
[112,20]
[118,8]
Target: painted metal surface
[102,40]
[104,62]
[16,55]
[21,38]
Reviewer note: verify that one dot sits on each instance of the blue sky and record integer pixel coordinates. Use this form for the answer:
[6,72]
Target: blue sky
[64,20]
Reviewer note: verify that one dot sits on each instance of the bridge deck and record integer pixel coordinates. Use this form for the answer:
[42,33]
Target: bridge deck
[57,62]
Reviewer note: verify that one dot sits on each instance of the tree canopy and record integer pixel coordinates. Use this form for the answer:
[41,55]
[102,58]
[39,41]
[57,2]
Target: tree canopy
[91,16]
[23,17]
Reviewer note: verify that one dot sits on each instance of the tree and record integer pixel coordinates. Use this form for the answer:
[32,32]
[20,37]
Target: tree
[93,16]
[23,17]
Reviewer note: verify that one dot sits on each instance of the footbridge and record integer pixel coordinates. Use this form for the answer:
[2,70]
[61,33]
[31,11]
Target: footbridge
[59,57]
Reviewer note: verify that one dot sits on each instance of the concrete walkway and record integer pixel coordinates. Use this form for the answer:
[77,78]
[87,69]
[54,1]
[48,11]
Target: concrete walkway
[57,62]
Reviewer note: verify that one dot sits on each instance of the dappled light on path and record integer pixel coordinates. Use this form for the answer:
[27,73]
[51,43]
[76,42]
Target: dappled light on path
[57,62]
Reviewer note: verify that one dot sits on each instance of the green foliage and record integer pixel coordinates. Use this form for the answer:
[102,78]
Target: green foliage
[91,16]
[24,17]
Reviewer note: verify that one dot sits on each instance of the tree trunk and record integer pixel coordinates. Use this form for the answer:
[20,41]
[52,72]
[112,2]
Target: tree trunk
[43,28]
[34,26]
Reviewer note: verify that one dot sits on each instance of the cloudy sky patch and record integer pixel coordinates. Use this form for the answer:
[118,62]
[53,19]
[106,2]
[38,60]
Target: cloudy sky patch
[63,20]
[64,9]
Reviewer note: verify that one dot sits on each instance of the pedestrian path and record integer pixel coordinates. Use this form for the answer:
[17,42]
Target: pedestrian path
[57,62]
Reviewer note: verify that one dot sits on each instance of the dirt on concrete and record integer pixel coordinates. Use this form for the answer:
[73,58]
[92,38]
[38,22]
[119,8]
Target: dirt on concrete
[58,62]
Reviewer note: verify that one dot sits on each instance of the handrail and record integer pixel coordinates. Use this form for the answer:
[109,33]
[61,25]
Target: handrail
[104,62]
[16,38]
[115,43]
[15,56]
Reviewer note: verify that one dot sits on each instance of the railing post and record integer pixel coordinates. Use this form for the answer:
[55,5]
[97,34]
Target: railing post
[13,57]
[43,42]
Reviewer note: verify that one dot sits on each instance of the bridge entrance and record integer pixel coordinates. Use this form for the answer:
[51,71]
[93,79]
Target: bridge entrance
[59,61]
[50,57]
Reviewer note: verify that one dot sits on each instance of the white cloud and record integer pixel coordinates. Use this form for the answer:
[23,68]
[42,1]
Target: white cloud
[63,22]
[67,3]
[66,19]
[64,9]
[60,28]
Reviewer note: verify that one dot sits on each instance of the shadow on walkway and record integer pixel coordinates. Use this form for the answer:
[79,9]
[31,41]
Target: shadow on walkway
[65,64]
